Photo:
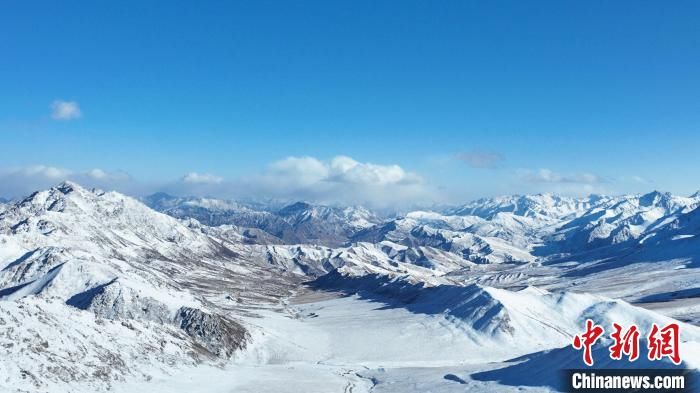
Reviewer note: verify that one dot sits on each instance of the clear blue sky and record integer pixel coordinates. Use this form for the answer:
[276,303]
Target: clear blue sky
[553,95]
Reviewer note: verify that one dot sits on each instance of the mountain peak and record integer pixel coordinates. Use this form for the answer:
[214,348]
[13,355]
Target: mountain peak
[68,186]
[654,198]
[295,208]
[160,200]
[161,195]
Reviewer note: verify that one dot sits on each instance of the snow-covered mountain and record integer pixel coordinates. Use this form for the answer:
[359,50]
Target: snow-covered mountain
[98,290]
[537,227]
[535,206]
[68,249]
[299,222]
[627,219]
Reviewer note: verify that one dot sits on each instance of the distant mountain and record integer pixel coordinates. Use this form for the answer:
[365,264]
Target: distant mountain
[518,228]
[534,206]
[472,238]
[216,212]
[678,238]
[297,223]
[622,220]
[529,227]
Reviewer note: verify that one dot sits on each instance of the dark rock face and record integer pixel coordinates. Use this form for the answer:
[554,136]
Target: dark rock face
[212,334]
[112,301]
[219,335]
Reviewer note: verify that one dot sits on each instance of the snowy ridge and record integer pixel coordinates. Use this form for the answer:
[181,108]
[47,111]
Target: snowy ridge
[520,228]
[624,219]
[523,321]
[540,206]
[502,277]
[298,222]
[69,249]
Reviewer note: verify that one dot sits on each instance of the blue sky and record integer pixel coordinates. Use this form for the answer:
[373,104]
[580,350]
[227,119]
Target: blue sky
[466,98]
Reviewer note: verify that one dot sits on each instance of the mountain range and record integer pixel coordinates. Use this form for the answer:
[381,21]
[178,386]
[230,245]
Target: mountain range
[492,230]
[100,291]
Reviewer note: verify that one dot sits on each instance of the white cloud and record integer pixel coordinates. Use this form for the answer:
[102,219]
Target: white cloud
[202,178]
[547,180]
[480,159]
[340,179]
[65,110]
[339,170]
[21,181]
[548,176]
[49,172]
[641,180]
[346,170]
[302,171]
[99,174]
[337,180]
[305,171]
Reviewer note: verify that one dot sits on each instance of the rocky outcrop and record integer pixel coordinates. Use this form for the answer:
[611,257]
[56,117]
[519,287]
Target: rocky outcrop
[219,335]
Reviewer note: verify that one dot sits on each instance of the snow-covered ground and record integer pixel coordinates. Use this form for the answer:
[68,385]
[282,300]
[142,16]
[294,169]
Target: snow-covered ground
[99,292]
[342,345]
[321,342]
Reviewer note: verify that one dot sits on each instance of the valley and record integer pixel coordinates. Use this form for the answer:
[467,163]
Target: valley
[100,292]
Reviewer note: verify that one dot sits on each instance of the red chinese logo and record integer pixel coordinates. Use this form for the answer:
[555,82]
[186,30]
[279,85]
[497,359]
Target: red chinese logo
[661,342]
[627,344]
[587,339]
[664,342]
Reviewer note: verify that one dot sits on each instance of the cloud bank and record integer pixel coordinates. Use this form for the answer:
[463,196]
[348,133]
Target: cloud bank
[17,182]
[202,178]
[338,180]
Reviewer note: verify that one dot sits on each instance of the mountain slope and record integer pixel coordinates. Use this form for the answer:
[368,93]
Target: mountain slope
[141,275]
[98,289]
[297,223]
[622,220]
